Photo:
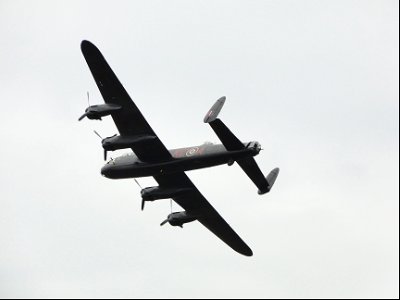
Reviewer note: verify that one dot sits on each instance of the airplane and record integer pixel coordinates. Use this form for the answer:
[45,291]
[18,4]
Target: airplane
[151,158]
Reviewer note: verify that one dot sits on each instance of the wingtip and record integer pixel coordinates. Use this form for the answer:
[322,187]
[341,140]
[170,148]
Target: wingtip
[88,47]
[85,43]
[245,252]
[243,249]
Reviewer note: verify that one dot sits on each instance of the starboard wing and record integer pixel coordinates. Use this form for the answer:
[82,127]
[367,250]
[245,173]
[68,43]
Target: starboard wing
[129,120]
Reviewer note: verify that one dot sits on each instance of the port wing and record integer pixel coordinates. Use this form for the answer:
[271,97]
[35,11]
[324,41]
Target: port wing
[196,204]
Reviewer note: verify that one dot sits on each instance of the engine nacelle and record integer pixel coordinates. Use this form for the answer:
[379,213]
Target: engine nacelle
[157,193]
[117,142]
[96,112]
[179,218]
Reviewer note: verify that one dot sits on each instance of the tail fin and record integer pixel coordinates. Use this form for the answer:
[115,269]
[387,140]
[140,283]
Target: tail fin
[212,114]
[232,143]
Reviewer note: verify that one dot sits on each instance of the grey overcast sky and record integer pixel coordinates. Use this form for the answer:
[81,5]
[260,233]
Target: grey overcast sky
[315,82]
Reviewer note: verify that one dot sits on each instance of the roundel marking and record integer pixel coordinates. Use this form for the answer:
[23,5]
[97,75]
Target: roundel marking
[192,151]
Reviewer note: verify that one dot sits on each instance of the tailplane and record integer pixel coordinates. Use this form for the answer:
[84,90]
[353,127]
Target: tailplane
[232,143]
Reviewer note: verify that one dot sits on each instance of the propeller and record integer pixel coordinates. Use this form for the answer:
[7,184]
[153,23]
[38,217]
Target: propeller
[81,117]
[105,151]
[85,114]
[96,133]
[164,222]
[143,201]
[168,219]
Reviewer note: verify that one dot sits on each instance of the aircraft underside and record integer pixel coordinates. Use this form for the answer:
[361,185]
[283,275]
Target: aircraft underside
[136,169]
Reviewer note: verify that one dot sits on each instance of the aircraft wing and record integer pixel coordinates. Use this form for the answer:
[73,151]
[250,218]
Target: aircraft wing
[196,204]
[129,120]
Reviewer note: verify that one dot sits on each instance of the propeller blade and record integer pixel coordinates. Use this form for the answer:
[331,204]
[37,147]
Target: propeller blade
[164,222]
[137,182]
[87,93]
[105,154]
[81,117]
[143,202]
[96,133]
[85,114]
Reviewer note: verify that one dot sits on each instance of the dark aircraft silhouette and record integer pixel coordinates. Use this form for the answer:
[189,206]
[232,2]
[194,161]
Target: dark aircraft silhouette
[152,158]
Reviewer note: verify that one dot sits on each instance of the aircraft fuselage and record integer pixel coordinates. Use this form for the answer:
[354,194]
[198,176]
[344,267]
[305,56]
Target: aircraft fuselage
[183,159]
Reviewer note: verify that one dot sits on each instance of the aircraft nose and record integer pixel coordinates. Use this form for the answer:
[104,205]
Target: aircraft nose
[106,170]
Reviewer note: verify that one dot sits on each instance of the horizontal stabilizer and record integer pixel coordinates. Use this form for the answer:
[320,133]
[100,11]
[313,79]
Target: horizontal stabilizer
[228,139]
[232,143]
[249,165]
[252,170]
[212,114]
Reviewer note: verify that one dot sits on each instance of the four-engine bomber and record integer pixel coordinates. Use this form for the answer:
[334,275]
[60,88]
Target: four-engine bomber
[168,167]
